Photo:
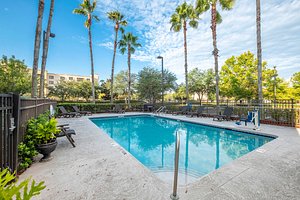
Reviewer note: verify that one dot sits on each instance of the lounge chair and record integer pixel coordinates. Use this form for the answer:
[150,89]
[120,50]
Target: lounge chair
[117,109]
[209,112]
[65,113]
[183,111]
[197,113]
[226,115]
[65,131]
[81,112]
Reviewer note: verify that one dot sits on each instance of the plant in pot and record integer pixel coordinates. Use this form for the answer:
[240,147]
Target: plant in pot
[45,137]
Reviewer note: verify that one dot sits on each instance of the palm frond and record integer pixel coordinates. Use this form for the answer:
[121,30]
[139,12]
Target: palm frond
[202,6]
[96,17]
[80,11]
[194,23]
[219,18]
[227,4]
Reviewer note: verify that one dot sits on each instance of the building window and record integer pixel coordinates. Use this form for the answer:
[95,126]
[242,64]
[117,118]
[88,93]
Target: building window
[71,78]
[62,78]
[88,79]
[51,82]
[79,79]
[51,77]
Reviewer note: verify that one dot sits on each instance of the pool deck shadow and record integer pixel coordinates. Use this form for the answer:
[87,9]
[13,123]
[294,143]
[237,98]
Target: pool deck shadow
[99,168]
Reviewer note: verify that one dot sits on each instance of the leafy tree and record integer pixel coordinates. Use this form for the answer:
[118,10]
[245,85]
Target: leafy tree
[104,90]
[202,5]
[184,13]
[296,85]
[180,93]
[274,85]
[201,82]
[37,44]
[45,50]
[128,43]
[118,19]
[60,90]
[14,76]
[149,83]
[238,77]
[121,84]
[86,9]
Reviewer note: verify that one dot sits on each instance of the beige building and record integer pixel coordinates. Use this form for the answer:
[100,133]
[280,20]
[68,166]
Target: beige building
[52,79]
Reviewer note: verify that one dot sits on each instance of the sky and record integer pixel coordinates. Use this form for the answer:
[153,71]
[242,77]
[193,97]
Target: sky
[149,20]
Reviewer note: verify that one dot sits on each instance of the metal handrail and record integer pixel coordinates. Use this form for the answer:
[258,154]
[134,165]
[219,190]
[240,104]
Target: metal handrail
[160,109]
[174,195]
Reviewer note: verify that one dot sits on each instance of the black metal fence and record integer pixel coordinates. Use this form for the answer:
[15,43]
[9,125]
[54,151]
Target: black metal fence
[14,114]
[279,112]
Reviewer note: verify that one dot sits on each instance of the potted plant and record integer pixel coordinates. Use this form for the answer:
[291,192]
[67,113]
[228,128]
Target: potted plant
[45,137]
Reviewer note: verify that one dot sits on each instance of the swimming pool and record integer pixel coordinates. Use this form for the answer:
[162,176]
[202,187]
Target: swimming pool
[151,140]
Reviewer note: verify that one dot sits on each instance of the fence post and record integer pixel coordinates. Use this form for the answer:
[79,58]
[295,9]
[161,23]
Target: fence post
[16,116]
[35,107]
[293,113]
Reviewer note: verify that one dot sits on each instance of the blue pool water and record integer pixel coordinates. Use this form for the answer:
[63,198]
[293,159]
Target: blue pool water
[203,149]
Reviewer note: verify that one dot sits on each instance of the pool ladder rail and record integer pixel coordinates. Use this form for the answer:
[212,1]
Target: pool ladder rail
[161,109]
[174,195]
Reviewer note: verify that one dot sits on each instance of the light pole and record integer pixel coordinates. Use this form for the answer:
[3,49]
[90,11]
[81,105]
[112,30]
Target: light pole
[162,79]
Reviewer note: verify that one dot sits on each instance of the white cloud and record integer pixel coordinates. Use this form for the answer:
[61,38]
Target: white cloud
[237,33]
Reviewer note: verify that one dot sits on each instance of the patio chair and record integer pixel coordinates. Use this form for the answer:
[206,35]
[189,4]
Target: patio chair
[198,112]
[209,112]
[226,115]
[65,113]
[65,131]
[81,112]
[117,109]
[182,111]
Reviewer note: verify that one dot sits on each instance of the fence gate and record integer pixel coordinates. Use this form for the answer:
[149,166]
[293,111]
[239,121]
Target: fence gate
[9,116]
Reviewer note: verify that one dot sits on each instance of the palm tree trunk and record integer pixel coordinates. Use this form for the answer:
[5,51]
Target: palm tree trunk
[92,65]
[45,50]
[129,77]
[215,51]
[113,68]
[185,63]
[259,52]
[37,43]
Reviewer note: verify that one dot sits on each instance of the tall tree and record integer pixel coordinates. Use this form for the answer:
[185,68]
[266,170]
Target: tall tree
[14,76]
[149,85]
[86,9]
[37,44]
[45,50]
[184,14]
[129,43]
[201,82]
[119,21]
[215,19]
[259,53]
[238,78]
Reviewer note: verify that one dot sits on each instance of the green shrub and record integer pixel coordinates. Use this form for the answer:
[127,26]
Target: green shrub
[39,131]
[10,190]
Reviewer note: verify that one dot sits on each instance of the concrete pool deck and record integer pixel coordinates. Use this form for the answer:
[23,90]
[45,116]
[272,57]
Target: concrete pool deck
[98,168]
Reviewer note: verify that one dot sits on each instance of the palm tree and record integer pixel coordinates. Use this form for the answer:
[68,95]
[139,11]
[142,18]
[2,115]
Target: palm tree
[128,42]
[184,13]
[45,50]
[215,19]
[118,19]
[86,9]
[37,43]
[259,56]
